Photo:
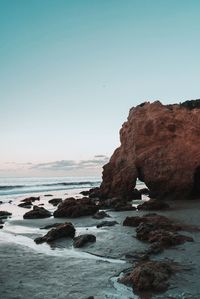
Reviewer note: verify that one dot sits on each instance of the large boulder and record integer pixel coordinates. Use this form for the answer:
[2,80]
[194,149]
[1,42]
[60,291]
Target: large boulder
[160,146]
[65,230]
[150,276]
[36,213]
[73,208]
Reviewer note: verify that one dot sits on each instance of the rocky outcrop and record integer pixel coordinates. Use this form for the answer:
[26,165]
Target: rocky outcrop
[160,146]
[73,208]
[150,276]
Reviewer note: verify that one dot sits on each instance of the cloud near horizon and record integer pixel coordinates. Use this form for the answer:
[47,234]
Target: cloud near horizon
[58,166]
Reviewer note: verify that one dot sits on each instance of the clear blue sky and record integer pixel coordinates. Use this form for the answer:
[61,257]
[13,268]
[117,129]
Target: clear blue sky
[70,71]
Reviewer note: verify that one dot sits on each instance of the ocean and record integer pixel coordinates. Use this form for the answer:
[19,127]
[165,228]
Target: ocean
[20,186]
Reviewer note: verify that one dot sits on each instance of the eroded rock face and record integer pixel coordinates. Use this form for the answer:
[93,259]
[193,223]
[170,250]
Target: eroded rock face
[160,146]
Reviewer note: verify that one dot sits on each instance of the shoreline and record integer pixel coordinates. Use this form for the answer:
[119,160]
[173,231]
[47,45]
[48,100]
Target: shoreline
[102,261]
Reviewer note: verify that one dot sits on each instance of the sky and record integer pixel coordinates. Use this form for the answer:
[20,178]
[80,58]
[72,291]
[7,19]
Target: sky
[71,70]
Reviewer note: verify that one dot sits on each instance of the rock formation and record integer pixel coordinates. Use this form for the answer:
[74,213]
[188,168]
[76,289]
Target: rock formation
[160,145]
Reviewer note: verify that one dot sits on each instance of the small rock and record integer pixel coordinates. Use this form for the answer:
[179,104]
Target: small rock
[85,192]
[100,215]
[26,205]
[30,199]
[81,240]
[55,201]
[47,195]
[106,223]
[37,212]
[5,214]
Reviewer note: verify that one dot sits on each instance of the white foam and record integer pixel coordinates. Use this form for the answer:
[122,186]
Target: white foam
[27,242]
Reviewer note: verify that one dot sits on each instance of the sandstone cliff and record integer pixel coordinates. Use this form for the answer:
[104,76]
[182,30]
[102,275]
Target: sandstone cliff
[160,145]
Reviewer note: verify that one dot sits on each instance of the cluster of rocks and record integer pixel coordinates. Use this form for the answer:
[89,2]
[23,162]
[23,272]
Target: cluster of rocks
[28,202]
[65,230]
[161,233]
[157,230]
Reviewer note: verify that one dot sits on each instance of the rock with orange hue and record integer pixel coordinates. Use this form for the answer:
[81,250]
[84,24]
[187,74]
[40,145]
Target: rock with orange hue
[160,146]
[149,276]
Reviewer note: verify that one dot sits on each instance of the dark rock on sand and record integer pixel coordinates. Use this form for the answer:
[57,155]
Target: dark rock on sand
[100,215]
[30,199]
[1,202]
[55,201]
[72,207]
[154,205]
[48,195]
[106,223]
[85,192]
[5,214]
[1,226]
[150,276]
[65,230]
[37,212]
[82,240]
[26,205]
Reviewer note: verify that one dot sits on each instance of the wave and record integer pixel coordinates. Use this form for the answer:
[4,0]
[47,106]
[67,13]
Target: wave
[37,186]
[10,187]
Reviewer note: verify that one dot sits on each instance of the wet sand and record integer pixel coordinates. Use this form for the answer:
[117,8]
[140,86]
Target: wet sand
[60,271]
